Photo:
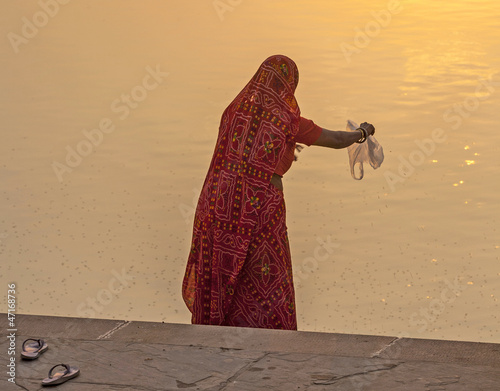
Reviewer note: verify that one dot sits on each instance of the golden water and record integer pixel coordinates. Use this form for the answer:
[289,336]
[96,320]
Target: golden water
[413,251]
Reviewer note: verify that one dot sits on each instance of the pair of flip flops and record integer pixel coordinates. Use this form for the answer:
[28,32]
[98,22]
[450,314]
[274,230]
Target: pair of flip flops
[33,348]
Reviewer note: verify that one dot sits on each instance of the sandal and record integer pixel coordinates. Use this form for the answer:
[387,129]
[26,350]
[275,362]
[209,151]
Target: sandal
[60,377]
[33,350]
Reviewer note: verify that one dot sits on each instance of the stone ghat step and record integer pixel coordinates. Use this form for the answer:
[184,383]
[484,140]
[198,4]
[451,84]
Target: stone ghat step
[132,355]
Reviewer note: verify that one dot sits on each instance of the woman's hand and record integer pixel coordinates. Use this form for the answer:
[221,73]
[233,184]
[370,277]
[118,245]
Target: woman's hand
[341,139]
[369,128]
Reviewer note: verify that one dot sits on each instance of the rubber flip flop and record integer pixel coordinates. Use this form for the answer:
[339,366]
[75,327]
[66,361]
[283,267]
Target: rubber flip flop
[33,348]
[60,377]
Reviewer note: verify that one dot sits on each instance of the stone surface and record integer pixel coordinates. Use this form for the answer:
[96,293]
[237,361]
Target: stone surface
[444,351]
[146,356]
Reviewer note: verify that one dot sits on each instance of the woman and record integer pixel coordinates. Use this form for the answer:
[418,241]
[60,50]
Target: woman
[239,270]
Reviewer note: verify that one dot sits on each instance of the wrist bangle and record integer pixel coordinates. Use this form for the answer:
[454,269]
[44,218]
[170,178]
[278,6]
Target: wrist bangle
[363,136]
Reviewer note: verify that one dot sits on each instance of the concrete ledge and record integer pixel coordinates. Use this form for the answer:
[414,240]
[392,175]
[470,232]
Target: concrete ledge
[123,355]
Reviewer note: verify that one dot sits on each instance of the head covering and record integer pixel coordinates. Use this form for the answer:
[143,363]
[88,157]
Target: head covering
[253,132]
[263,117]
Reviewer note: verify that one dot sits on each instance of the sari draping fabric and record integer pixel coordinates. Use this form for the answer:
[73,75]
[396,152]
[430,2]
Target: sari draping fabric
[239,270]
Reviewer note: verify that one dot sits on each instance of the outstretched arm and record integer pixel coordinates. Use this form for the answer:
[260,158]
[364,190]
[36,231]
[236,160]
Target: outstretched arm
[341,139]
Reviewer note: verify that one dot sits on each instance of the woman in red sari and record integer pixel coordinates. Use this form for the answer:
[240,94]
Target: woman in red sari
[239,270]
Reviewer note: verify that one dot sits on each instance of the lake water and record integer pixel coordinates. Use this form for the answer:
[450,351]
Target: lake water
[103,230]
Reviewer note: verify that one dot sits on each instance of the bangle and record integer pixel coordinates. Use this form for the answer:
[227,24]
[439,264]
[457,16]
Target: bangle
[363,136]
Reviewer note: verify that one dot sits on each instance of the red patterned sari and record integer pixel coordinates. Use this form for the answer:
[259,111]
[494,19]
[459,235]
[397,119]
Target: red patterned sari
[239,270]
